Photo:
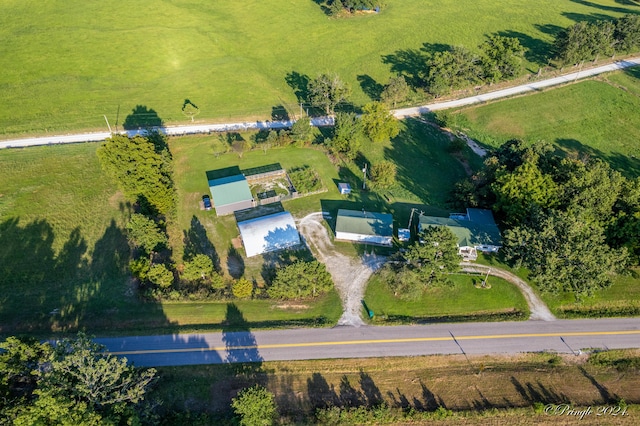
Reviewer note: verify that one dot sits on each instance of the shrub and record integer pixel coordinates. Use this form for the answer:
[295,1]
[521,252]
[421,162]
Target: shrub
[255,406]
[160,275]
[242,288]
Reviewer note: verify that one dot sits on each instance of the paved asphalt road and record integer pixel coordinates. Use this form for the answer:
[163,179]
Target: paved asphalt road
[323,121]
[565,336]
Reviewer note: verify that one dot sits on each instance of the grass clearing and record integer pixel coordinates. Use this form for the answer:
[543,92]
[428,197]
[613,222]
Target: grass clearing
[426,172]
[64,71]
[597,118]
[479,389]
[65,252]
[461,301]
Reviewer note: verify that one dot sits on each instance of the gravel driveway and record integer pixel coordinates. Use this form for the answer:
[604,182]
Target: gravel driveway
[349,275]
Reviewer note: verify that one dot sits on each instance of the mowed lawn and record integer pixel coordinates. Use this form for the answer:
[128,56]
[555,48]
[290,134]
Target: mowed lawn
[596,117]
[461,300]
[65,64]
[64,254]
[426,173]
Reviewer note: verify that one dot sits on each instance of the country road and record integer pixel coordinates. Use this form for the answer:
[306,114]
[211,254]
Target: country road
[562,336]
[324,121]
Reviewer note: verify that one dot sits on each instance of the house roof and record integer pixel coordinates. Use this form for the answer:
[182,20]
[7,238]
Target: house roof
[268,233]
[469,233]
[481,216]
[364,223]
[229,190]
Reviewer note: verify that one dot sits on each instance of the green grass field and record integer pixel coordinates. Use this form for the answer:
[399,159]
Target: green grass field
[597,118]
[461,300]
[65,64]
[63,245]
[426,172]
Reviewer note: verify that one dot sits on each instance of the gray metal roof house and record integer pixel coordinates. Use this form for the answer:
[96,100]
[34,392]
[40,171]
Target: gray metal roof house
[364,227]
[230,194]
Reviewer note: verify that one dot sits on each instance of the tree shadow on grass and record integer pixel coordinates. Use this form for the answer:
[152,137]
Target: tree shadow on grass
[425,168]
[537,50]
[628,165]
[611,8]
[197,242]
[141,118]
[75,288]
[235,263]
[370,87]
[300,85]
[532,393]
[409,63]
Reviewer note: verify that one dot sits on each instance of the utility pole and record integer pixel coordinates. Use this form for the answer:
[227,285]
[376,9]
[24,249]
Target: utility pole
[364,177]
[484,282]
[105,119]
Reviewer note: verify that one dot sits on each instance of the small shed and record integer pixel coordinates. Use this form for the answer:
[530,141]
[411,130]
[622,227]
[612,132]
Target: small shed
[230,194]
[344,188]
[268,233]
[364,227]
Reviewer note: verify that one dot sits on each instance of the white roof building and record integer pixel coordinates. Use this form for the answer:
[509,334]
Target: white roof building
[268,233]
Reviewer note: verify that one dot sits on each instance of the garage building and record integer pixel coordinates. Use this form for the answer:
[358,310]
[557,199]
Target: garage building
[364,227]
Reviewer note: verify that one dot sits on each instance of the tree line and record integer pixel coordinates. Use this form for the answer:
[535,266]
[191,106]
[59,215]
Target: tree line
[572,221]
[73,382]
[590,40]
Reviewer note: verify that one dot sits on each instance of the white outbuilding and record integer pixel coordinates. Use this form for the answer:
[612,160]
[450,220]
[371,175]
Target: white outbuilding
[364,227]
[268,233]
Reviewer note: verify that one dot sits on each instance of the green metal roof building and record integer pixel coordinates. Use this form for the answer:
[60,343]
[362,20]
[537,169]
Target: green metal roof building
[475,230]
[364,227]
[230,194]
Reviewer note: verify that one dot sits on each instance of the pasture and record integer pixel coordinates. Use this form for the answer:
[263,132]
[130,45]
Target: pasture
[598,118]
[67,64]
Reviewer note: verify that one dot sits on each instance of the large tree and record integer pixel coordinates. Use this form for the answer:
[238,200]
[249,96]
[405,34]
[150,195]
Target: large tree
[378,123]
[382,175]
[300,279]
[452,69]
[627,33]
[74,382]
[347,135]
[326,91]
[302,131]
[142,168]
[501,58]
[564,252]
[426,262]
[145,233]
[397,90]
[523,190]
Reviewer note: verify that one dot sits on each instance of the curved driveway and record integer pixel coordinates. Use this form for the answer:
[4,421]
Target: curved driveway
[563,336]
[324,121]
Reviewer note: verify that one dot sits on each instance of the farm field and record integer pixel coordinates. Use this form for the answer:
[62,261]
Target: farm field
[596,117]
[480,390]
[66,66]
